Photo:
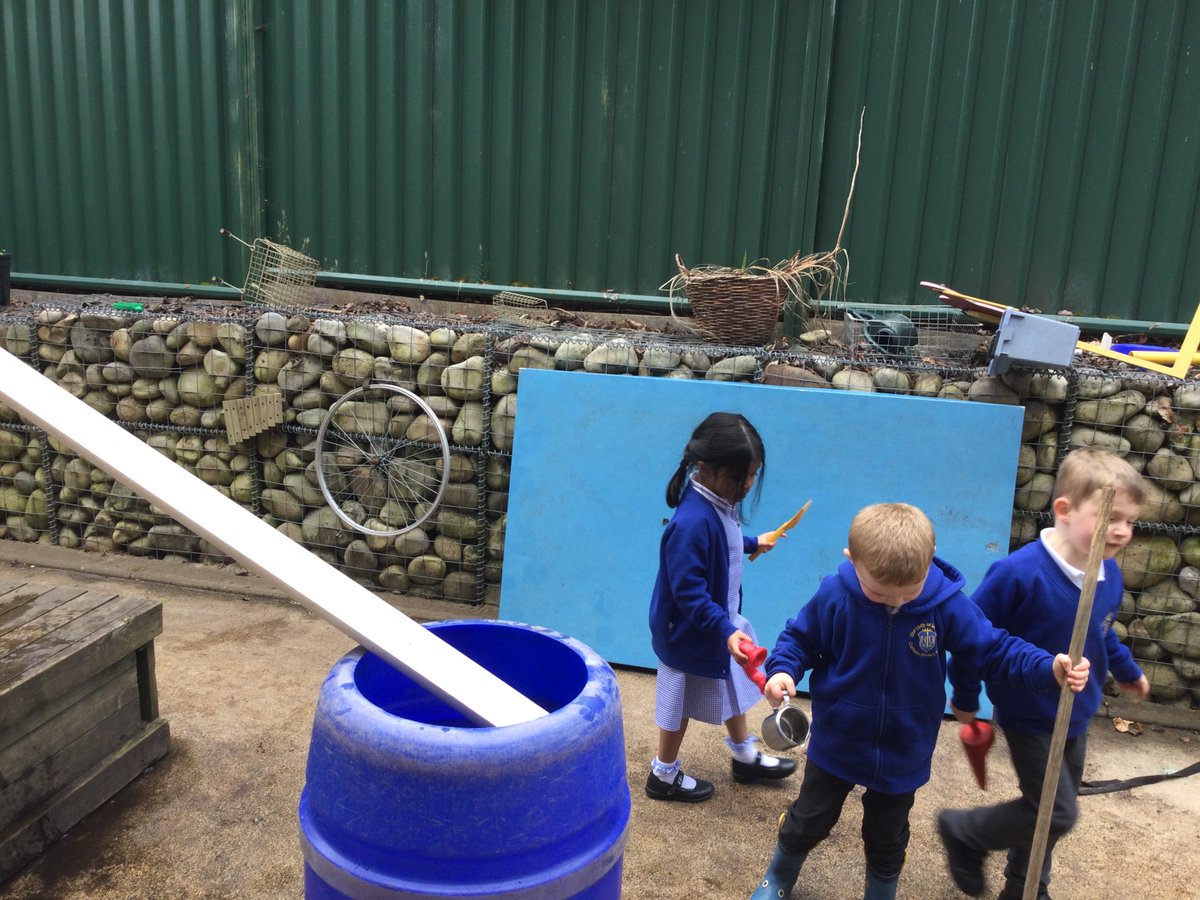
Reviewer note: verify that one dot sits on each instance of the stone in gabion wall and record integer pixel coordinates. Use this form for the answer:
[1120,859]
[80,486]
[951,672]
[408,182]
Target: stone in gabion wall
[24,513]
[166,377]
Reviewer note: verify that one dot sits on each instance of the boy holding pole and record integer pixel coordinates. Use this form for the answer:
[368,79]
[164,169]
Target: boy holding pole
[1035,594]
[875,638]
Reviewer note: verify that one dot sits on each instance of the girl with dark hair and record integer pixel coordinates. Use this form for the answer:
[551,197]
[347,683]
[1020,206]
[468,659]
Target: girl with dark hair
[696,621]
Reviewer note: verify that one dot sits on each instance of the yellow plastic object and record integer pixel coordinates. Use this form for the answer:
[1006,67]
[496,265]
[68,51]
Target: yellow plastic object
[1180,362]
[1184,359]
[1163,356]
[784,528]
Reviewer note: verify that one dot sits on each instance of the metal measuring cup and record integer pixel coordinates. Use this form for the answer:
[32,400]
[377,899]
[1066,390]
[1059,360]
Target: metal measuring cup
[786,727]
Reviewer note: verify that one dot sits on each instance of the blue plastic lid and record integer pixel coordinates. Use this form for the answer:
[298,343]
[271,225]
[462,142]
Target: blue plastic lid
[1129,348]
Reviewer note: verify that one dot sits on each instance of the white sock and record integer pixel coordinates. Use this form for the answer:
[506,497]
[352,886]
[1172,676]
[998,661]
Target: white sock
[666,772]
[745,752]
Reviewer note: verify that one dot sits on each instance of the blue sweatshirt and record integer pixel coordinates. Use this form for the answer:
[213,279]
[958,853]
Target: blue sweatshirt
[878,680]
[1030,596]
[689,626]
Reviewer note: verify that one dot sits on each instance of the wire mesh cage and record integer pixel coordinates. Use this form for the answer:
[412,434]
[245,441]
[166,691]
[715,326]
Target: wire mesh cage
[512,308]
[943,340]
[278,275]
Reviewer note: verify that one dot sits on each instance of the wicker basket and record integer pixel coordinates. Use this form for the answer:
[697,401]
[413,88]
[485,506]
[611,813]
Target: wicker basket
[732,307]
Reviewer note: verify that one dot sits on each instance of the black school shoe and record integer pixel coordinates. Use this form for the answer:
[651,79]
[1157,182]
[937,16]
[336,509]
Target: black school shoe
[657,789]
[756,771]
[966,865]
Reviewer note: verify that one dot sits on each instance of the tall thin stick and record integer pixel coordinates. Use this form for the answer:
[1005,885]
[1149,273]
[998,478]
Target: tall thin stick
[853,179]
[1066,699]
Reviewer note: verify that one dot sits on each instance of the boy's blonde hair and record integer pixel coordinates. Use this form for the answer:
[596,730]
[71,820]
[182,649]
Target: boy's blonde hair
[893,541]
[1088,469]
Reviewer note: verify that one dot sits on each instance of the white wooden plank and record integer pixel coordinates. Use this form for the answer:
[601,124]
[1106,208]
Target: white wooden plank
[345,603]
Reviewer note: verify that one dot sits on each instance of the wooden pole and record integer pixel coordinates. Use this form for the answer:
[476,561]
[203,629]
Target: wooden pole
[1066,698]
[331,594]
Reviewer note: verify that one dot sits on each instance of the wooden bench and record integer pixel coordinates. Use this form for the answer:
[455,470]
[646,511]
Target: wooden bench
[78,708]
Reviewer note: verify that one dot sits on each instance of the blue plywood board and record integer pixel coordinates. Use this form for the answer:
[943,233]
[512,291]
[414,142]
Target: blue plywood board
[593,454]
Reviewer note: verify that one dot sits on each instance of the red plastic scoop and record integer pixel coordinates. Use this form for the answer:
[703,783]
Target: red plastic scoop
[977,738]
[757,656]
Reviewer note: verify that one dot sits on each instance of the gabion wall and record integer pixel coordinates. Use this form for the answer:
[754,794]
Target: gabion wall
[164,375]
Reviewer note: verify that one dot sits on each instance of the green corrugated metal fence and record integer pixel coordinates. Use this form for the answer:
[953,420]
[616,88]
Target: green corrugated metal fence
[126,138]
[1041,153]
[561,142]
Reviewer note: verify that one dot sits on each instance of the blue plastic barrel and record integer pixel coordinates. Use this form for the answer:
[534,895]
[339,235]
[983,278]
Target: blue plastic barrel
[404,797]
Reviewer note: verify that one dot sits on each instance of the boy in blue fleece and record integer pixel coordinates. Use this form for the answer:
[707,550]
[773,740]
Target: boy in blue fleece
[1033,594]
[875,637]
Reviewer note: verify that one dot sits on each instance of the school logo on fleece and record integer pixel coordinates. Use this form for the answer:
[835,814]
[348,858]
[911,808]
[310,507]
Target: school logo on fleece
[922,640]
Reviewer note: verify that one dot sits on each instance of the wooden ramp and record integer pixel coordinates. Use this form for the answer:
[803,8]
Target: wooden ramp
[78,708]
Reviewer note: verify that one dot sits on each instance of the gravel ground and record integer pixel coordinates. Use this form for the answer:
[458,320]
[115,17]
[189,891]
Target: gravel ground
[238,672]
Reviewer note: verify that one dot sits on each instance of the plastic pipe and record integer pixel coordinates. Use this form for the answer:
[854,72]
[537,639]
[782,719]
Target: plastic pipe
[79,283]
[610,300]
[343,602]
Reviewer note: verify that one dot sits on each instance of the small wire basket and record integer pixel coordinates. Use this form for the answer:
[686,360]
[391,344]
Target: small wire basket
[512,307]
[941,341]
[278,275]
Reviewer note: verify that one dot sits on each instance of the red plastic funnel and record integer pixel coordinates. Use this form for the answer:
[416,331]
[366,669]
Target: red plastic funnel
[977,738]
[758,655]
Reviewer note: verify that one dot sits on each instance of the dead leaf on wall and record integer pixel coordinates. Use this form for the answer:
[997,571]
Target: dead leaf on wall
[1161,407]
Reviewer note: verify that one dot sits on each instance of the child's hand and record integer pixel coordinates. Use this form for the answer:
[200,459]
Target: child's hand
[735,651]
[1141,687]
[768,540]
[965,718]
[1075,677]
[779,685]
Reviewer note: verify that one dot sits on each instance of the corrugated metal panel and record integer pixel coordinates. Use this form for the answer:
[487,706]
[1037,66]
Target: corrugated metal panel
[1042,152]
[564,144]
[127,137]
[1039,153]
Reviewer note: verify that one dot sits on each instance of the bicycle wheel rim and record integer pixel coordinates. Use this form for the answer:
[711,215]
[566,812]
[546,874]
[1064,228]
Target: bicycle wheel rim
[377,483]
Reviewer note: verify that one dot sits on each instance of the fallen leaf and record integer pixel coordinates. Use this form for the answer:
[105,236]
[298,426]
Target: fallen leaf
[1161,407]
[1125,726]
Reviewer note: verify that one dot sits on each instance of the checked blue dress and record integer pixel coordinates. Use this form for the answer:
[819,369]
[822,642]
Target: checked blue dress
[680,696]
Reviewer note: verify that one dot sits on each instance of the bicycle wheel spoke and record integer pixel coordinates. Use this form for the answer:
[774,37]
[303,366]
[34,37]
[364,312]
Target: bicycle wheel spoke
[340,438]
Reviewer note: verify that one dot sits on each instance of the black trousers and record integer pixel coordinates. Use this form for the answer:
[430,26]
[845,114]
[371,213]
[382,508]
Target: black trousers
[1010,826]
[812,816]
